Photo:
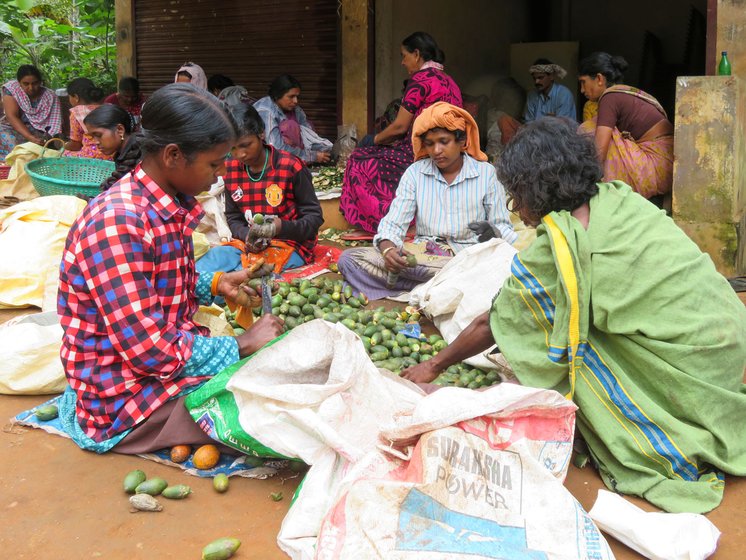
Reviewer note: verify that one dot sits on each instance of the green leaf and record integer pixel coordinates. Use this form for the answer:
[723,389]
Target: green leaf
[25,5]
[6,29]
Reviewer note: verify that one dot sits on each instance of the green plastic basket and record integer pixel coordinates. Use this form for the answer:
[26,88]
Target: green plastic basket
[70,176]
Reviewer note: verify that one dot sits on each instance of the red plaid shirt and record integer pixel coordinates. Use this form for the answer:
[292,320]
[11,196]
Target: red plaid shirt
[285,190]
[126,302]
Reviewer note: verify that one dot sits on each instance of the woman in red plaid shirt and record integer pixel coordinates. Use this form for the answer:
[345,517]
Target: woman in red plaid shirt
[129,289]
[261,179]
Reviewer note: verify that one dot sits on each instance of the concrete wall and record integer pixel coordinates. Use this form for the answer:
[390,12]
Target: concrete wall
[475,35]
[710,167]
[709,190]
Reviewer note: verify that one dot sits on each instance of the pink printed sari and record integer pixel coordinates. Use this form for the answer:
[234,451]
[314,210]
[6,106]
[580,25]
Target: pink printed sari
[646,164]
[79,132]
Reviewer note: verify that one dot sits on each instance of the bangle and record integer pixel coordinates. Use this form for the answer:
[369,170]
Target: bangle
[215,281]
[386,250]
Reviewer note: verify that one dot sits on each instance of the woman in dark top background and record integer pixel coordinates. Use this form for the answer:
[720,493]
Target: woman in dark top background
[633,135]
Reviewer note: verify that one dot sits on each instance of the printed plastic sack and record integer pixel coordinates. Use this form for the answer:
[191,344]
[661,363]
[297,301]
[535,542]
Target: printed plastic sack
[464,289]
[480,476]
[214,225]
[655,535]
[345,143]
[313,395]
[32,237]
[214,409]
[30,355]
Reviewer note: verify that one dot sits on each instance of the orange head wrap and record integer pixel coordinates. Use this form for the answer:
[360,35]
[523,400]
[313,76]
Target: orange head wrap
[447,116]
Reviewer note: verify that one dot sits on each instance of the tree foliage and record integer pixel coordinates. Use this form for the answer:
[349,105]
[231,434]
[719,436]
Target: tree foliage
[65,39]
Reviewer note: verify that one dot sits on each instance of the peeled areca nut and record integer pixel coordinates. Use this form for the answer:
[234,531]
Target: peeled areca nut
[145,502]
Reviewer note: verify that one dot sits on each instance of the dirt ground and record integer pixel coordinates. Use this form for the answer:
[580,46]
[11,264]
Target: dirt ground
[57,501]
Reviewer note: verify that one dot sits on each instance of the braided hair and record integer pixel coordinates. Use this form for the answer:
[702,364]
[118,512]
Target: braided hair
[126,161]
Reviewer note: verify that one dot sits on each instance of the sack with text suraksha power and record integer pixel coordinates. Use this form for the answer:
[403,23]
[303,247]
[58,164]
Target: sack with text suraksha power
[467,475]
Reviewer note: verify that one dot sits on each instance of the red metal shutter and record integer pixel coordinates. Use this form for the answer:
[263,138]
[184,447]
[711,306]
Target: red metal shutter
[252,42]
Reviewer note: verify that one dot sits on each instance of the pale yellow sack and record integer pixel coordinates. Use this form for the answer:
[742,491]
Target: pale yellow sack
[201,244]
[214,223]
[213,317]
[32,237]
[30,356]
[18,183]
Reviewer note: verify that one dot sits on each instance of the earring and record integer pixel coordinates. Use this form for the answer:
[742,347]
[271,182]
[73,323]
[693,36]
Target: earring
[121,137]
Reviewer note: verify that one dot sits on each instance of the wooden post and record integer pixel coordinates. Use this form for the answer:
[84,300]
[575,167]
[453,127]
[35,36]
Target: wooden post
[357,81]
[711,55]
[731,34]
[124,14]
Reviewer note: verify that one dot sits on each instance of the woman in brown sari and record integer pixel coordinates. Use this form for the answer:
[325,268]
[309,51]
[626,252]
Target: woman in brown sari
[633,135]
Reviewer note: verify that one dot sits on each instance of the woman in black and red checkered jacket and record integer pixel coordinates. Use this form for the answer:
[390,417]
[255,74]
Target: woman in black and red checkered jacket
[261,179]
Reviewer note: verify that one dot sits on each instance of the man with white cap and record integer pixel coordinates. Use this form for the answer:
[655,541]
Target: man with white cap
[549,99]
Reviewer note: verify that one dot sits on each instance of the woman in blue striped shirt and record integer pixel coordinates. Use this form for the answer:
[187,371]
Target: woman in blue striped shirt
[453,195]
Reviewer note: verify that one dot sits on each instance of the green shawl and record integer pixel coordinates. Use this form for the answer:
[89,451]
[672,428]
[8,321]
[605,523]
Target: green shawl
[632,321]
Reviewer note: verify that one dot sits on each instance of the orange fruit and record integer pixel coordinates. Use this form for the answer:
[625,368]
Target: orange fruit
[180,453]
[206,457]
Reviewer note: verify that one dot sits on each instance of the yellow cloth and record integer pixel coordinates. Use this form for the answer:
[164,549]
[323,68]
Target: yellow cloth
[32,237]
[450,117]
[590,110]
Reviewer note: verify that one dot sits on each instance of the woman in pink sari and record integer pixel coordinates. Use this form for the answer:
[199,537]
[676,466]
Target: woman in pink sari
[84,97]
[633,135]
[30,112]
[375,167]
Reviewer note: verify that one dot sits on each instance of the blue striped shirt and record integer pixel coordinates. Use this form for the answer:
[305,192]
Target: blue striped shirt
[560,102]
[444,211]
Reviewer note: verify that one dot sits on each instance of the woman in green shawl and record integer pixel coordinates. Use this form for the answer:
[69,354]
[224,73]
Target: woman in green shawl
[614,307]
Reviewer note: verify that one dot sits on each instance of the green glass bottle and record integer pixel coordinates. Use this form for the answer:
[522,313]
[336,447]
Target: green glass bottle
[724,66]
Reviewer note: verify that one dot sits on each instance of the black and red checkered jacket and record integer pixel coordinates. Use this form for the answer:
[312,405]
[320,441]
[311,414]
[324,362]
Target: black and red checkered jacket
[285,191]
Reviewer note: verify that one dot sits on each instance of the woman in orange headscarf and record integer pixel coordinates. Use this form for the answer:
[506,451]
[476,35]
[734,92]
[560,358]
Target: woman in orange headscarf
[453,195]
